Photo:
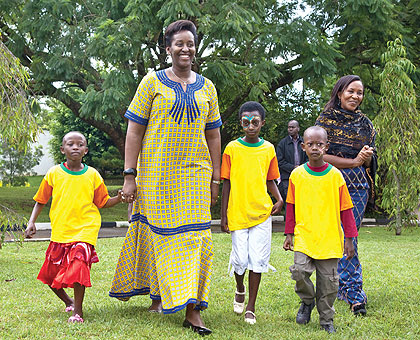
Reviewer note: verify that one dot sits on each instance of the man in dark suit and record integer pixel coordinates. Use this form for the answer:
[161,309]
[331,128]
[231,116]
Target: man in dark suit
[289,155]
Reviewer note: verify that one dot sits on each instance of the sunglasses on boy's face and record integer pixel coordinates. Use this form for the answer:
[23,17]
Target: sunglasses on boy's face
[247,121]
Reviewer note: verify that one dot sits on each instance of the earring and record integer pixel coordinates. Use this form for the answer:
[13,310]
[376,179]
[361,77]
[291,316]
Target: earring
[166,58]
[193,60]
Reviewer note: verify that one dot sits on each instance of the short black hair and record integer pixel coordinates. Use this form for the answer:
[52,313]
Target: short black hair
[317,129]
[178,26]
[252,106]
[70,132]
[293,120]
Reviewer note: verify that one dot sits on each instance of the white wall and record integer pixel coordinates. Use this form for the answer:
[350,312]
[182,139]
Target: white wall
[46,161]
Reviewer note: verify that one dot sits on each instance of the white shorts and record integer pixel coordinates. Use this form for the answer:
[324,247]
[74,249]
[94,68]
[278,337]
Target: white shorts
[251,249]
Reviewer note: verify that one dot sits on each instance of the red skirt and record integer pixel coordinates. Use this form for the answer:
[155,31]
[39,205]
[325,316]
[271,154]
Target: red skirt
[67,263]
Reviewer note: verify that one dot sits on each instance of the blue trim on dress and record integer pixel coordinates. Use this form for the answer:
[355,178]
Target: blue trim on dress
[214,125]
[201,306]
[134,292]
[155,297]
[132,116]
[171,231]
[184,100]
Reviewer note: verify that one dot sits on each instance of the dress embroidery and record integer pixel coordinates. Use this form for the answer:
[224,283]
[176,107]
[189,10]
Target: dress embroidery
[184,100]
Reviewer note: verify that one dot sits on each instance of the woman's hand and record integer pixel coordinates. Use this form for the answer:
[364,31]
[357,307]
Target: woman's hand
[129,190]
[133,144]
[364,156]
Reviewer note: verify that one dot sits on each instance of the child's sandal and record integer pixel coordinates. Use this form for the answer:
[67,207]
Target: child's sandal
[238,307]
[75,318]
[251,321]
[69,309]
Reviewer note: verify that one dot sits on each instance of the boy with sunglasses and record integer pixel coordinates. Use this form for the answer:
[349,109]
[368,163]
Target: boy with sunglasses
[249,168]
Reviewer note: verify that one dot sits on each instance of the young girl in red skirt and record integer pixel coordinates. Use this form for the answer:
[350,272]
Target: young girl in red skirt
[77,192]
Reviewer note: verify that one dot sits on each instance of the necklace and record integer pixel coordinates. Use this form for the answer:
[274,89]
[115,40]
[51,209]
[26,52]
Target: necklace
[184,82]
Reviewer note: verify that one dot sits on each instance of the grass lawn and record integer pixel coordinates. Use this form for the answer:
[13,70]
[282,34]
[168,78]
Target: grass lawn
[29,310]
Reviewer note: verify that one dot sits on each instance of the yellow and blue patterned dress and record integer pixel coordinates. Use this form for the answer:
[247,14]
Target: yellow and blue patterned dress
[168,249]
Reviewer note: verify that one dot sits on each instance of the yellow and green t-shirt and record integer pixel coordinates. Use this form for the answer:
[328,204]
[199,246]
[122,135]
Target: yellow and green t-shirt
[249,166]
[76,197]
[319,197]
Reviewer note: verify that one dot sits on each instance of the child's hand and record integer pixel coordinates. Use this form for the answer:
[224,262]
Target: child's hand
[288,242]
[348,248]
[30,230]
[277,207]
[214,191]
[120,195]
[224,225]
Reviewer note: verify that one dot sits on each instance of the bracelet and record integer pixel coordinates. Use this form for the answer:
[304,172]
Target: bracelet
[216,182]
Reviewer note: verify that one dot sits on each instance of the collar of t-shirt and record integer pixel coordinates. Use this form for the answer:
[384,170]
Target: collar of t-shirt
[318,168]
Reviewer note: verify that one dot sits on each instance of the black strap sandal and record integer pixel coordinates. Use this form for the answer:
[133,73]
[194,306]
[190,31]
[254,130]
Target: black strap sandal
[359,309]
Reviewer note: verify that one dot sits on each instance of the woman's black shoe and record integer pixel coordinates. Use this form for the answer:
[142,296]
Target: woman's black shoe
[197,329]
[359,309]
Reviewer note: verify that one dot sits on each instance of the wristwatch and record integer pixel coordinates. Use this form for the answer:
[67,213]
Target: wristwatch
[130,171]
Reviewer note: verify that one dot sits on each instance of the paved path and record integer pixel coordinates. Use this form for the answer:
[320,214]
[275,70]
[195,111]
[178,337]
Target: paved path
[119,229]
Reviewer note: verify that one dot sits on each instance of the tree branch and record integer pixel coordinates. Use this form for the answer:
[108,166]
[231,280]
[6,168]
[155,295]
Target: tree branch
[113,131]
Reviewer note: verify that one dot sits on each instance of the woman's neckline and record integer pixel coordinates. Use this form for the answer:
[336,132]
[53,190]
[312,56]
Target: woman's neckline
[177,82]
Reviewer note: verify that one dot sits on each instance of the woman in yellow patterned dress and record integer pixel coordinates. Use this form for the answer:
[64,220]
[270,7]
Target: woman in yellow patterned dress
[173,140]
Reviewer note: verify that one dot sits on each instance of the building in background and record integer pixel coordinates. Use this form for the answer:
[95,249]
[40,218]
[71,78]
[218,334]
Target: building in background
[47,160]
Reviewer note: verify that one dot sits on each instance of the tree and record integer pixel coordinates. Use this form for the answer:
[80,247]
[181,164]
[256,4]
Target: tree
[102,155]
[14,102]
[15,164]
[15,131]
[398,142]
[91,55]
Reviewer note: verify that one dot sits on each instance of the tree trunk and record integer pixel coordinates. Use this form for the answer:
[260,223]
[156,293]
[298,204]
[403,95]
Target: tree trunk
[398,224]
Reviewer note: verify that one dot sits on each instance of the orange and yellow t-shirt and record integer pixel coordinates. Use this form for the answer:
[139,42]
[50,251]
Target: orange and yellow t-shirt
[76,197]
[249,166]
[319,197]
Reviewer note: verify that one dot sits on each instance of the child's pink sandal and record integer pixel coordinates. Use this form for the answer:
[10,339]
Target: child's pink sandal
[75,318]
[69,309]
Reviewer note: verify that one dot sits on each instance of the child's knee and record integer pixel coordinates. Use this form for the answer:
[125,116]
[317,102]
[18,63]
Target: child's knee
[240,265]
[298,272]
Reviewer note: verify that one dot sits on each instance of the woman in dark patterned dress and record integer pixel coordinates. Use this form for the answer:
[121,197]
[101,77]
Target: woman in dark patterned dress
[352,150]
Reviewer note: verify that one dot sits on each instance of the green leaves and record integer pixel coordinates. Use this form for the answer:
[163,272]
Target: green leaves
[398,141]
[17,124]
[92,54]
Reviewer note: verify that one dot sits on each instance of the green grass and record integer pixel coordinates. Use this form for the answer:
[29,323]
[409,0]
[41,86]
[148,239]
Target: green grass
[391,280]
[35,181]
